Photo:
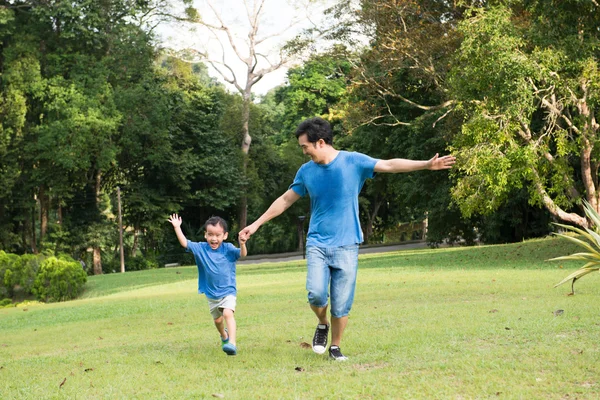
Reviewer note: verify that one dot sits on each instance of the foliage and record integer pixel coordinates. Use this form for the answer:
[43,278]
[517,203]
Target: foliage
[525,79]
[59,279]
[7,265]
[590,241]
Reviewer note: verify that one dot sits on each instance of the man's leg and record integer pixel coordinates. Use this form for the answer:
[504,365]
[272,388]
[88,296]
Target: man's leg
[344,267]
[337,329]
[321,313]
[317,283]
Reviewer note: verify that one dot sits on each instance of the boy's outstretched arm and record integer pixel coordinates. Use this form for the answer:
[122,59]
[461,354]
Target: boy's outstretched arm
[243,249]
[175,220]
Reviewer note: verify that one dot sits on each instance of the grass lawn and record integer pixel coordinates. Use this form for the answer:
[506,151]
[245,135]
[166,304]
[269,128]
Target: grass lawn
[452,323]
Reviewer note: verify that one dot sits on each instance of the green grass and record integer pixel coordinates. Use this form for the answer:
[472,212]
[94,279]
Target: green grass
[453,323]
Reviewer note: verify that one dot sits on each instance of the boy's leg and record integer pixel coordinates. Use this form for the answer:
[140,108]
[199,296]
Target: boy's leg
[221,328]
[228,315]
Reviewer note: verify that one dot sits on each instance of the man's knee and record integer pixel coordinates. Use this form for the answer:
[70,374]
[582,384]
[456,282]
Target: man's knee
[317,299]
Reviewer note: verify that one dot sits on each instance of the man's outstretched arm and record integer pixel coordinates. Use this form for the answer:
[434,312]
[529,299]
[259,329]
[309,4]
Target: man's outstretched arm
[282,203]
[396,165]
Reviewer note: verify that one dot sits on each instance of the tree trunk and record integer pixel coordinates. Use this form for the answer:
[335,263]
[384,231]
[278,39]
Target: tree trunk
[246,140]
[134,247]
[369,228]
[97,258]
[44,206]
[60,213]
[33,238]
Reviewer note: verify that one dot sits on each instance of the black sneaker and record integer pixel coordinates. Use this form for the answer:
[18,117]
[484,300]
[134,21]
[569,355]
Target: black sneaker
[336,354]
[320,339]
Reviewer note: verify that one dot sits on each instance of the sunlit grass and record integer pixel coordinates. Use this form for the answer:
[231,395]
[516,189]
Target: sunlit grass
[447,323]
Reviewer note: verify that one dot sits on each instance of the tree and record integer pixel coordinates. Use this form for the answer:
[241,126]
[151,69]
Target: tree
[528,83]
[253,52]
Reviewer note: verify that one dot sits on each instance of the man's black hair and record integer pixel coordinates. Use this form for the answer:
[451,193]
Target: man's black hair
[216,221]
[315,129]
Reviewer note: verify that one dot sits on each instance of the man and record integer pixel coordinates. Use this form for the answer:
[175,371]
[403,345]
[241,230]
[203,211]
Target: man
[333,179]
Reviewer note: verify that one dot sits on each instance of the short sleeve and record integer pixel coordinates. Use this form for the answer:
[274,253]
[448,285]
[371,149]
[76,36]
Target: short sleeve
[298,185]
[365,164]
[233,253]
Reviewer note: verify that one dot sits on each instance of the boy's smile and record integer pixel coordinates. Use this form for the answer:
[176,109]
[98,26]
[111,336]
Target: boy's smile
[215,235]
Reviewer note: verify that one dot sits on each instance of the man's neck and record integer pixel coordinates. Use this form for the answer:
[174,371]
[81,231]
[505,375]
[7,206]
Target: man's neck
[330,154]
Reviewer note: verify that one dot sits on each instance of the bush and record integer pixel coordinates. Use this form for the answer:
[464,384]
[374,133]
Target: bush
[139,263]
[5,303]
[23,273]
[59,280]
[7,267]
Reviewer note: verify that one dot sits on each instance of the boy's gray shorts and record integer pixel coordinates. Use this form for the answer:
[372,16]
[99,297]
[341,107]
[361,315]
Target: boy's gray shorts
[216,306]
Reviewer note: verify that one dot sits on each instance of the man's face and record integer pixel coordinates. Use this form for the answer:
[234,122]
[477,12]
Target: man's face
[313,150]
[215,235]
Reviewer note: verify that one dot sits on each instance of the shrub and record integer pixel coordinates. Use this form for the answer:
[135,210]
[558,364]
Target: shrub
[22,273]
[59,280]
[5,303]
[7,266]
[589,239]
[139,263]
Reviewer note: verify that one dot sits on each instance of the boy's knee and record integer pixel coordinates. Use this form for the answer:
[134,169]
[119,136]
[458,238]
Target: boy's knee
[219,320]
[227,312]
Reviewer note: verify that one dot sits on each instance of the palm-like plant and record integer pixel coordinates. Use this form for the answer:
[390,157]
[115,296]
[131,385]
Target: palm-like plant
[591,243]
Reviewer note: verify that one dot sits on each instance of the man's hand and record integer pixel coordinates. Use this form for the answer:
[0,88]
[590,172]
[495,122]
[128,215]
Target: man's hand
[247,232]
[175,220]
[437,163]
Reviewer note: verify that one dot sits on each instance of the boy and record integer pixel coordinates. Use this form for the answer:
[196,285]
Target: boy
[216,274]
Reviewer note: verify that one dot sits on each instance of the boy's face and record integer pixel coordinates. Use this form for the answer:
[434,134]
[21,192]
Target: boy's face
[215,234]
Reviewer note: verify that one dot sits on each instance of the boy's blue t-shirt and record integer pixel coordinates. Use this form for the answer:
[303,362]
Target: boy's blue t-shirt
[216,268]
[333,189]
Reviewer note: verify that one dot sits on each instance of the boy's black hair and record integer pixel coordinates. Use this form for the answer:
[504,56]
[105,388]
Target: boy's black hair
[315,129]
[216,221]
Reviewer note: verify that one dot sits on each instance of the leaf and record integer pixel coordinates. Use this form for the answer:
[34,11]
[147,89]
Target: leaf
[576,275]
[62,383]
[558,312]
[218,395]
[305,345]
[299,369]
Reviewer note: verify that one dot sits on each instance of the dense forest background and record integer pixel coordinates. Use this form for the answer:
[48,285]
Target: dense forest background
[95,114]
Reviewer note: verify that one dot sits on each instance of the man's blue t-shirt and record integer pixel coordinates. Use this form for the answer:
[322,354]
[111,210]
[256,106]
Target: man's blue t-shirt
[216,268]
[333,189]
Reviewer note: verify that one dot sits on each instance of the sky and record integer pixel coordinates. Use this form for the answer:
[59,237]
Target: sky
[275,21]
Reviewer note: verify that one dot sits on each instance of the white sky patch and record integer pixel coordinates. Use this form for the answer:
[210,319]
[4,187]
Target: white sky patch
[280,21]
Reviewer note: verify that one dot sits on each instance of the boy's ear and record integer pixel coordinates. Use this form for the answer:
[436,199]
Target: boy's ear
[225,235]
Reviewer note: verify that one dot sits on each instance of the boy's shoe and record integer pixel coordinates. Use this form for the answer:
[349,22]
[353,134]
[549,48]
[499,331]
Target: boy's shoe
[336,354]
[226,340]
[319,344]
[230,349]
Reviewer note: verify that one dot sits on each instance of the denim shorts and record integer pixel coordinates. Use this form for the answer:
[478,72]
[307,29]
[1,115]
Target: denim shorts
[332,269]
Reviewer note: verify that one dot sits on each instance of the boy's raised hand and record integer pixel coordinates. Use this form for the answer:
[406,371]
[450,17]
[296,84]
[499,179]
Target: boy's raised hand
[175,220]
[242,239]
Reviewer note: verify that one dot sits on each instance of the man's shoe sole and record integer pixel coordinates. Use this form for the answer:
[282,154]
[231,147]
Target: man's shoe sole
[319,349]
